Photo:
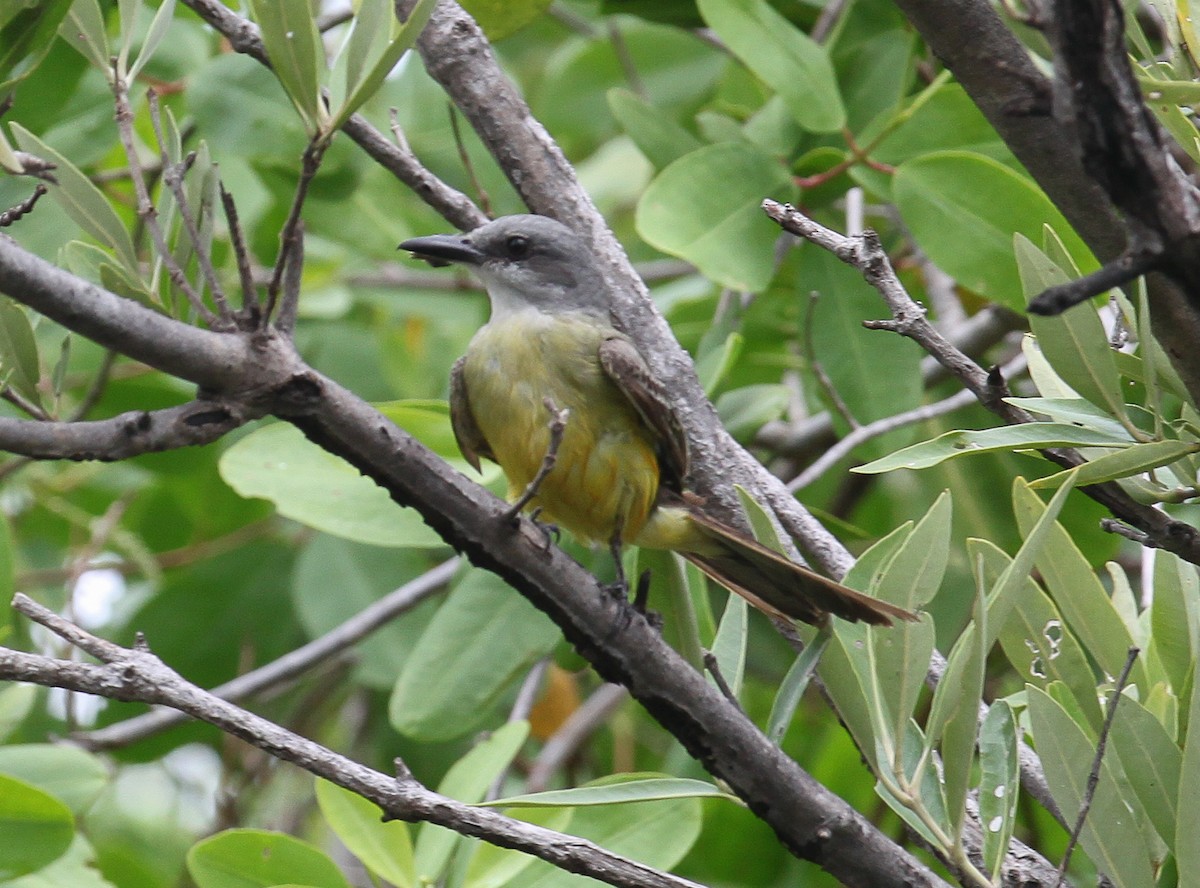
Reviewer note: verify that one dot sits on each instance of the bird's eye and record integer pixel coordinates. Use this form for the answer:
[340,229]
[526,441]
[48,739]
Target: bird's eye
[517,246]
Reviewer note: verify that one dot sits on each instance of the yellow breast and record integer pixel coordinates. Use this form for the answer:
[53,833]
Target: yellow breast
[606,476]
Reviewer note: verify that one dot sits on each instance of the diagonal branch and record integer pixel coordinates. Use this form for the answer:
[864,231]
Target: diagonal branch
[138,675]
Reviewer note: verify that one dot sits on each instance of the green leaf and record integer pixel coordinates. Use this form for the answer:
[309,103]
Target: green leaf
[1073,410]
[964,208]
[657,834]
[158,30]
[729,647]
[1132,460]
[1187,849]
[68,773]
[290,37]
[447,689]
[683,213]
[84,29]
[1110,834]
[1152,763]
[793,686]
[499,18]
[77,868]
[1175,619]
[383,848]
[468,780]
[656,135]
[785,58]
[35,828]
[714,364]
[309,485]
[743,411]
[1077,591]
[83,201]
[256,858]
[1026,436]
[631,788]
[27,36]
[364,82]
[1073,342]
[998,784]
[16,702]
[18,351]
[492,866]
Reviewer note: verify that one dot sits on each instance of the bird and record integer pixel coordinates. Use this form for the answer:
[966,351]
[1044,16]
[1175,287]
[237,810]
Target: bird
[585,432]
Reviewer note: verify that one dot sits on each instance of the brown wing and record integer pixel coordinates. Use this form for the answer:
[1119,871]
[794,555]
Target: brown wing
[468,435]
[627,369]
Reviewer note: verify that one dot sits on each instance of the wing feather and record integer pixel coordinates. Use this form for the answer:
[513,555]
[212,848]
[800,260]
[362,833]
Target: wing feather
[466,431]
[626,367]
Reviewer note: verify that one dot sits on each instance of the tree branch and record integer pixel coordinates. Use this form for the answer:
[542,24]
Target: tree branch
[138,675]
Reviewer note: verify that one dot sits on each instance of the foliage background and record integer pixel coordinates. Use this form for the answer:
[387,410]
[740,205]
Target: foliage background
[229,555]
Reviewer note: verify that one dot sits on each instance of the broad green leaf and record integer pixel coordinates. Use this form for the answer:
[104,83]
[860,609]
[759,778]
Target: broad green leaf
[158,30]
[1110,834]
[311,486]
[26,35]
[912,577]
[448,689]
[785,58]
[1072,410]
[257,858]
[1077,591]
[964,208]
[743,411]
[1175,619]
[19,364]
[1187,849]
[713,365]
[68,773]
[83,28]
[468,780]
[657,834]
[852,356]
[492,866]
[998,783]
[729,647]
[793,686]
[1132,460]
[361,86]
[384,848]
[35,828]
[429,422]
[686,214]
[293,46]
[1026,436]
[954,714]
[16,702]
[76,868]
[83,201]
[1073,342]
[1151,762]
[631,788]
[499,18]
[656,135]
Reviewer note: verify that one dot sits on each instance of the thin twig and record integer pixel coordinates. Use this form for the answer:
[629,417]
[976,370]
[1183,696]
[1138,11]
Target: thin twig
[289,306]
[18,400]
[823,379]
[290,234]
[625,59]
[145,206]
[557,426]
[287,667]
[464,158]
[1093,779]
[172,175]
[12,214]
[250,301]
[714,669]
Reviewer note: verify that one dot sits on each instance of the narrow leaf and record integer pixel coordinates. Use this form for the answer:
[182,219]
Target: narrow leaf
[383,848]
[631,788]
[998,784]
[292,43]
[1132,460]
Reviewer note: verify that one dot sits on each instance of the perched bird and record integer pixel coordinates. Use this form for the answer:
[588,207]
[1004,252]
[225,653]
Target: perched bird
[620,457]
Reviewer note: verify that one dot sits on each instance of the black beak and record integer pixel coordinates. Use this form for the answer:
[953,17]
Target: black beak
[443,249]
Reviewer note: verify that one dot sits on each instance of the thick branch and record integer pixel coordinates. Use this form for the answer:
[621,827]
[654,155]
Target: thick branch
[138,675]
[130,434]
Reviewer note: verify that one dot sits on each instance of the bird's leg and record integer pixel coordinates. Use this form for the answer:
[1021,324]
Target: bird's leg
[549,531]
[619,587]
[557,426]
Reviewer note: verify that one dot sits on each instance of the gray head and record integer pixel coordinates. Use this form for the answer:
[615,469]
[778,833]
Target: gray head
[524,261]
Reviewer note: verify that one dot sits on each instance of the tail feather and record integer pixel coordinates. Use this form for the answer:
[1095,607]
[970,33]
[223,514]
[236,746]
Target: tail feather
[778,586]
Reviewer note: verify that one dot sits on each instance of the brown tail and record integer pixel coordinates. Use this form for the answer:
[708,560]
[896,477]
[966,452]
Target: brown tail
[778,586]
